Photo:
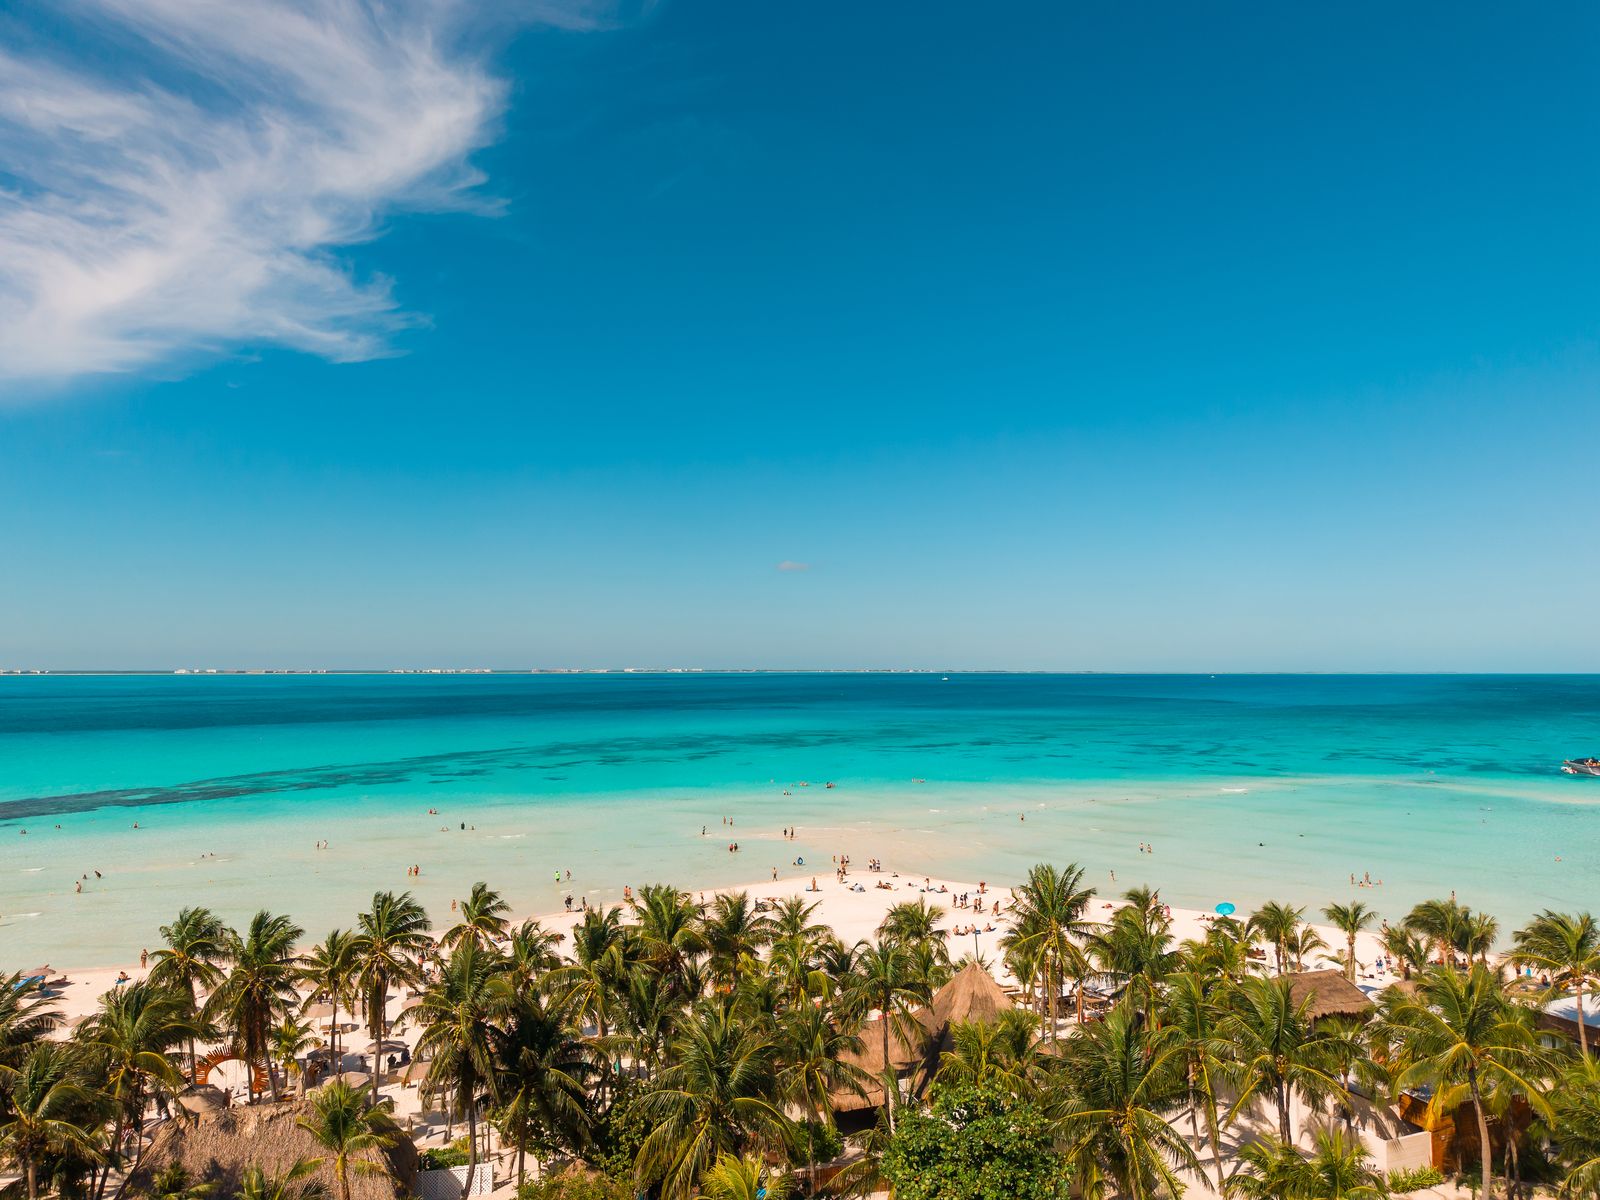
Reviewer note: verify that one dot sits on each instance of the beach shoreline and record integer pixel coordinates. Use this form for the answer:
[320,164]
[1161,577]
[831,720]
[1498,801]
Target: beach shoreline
[852,915]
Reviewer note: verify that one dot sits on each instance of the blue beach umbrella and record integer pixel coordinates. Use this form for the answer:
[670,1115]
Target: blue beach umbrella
[1225,908]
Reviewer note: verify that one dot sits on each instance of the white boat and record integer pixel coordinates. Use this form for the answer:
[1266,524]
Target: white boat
[1581,766]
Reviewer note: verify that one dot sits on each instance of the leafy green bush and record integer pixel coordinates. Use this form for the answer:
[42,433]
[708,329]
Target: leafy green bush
[445,1157]
[618,1134]
[817,1141]
[1415,1179]
[575,1185]
[975,1144]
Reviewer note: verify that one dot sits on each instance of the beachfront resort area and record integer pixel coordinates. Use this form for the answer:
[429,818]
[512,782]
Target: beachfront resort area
[874,1033]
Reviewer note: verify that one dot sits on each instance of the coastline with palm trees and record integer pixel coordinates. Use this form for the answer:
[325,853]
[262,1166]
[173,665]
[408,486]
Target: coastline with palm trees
[788,1037]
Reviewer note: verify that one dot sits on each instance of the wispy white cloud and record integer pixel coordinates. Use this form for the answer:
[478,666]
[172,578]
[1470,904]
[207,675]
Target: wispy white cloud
[199,201]
[790,565]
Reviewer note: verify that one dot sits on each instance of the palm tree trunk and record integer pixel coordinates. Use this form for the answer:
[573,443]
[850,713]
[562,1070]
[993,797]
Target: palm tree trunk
[1483,1134]
[378,1035]
[472,1148]
[116,1142]
[1350,964]
[890,1083]
[1213,1126]
[1284,1130]
[1583,1035]
[33,1180]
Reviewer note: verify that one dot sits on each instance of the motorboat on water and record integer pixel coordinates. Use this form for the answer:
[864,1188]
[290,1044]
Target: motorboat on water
[1581,766]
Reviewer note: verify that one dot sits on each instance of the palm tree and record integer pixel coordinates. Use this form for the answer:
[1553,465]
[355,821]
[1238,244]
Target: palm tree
[793,964]
[745,1178]
[26,1017]
[1125,1078]
[530,953]
[1408,946]
[734,933]
[541,1066]
[719,1096]
[391,937]
[1000,1054]
[1442,922]
[1575,1100]
[456,1015]
[1135,948]
[256,1184]
[1478,933]
[483,918]
[330,969]
[1350,920]
[291,1039]
[191,960]
[1566,947]
[258,989]
[128,1041]
[172,1182]
[1277,1050]
[601,954]
[911,922]
[1279,924]
[1459,1034]
[1195,1016]
[884,981]
[345,1124]
[669,928]
[47,1092]
[1049,926]
[813,1051]
[1340,1168]
[792,918]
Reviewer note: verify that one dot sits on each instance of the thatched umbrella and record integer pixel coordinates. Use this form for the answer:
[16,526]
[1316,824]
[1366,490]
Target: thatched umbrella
[1330,993]
[971,996]
[354,1079]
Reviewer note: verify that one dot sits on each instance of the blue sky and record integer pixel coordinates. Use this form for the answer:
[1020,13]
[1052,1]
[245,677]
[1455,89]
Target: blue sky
[1064,337]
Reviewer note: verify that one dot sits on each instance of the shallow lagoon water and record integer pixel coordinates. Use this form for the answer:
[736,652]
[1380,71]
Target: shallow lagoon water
[1247,787]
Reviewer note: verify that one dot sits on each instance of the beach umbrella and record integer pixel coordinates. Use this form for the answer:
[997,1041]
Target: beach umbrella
[388,1045]
[44,970]
[1225,908]
[317,1012]
[354,1079]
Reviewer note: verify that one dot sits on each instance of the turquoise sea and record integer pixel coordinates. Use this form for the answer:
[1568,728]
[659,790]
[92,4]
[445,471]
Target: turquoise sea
[1247,787]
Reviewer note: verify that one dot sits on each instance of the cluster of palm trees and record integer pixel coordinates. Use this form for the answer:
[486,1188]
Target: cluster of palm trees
[700,1048]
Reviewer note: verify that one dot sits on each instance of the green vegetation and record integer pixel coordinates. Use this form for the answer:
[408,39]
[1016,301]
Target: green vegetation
[678,1049]
[976,1143]
[1415,1180]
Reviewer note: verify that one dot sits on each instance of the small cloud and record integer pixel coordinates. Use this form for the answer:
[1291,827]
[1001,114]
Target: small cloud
[789,565]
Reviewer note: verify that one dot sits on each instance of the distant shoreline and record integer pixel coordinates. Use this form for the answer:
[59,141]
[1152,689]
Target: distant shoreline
[236,672]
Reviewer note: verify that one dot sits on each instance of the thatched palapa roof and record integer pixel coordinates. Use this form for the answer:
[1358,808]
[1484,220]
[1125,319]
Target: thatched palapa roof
[1330,993]
[971,996]
[219,1146]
